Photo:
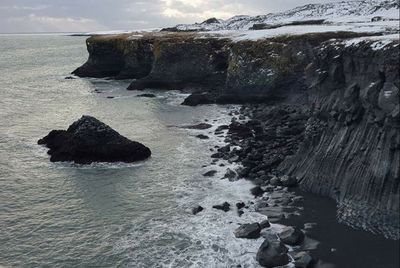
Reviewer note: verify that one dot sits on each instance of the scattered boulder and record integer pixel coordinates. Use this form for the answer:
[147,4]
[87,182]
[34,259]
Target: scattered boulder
[257,191]
[217,155]
[224,207]
[197,210]
[202,137]
[302,260]
[146,95]
[291,236]
[240,205]
[200,126]
[275,181]
[272,253]
[199,98]
[265,224]
[88,140]
[222,128]
[70,78]
[230,174]
[250,231]
[210,173]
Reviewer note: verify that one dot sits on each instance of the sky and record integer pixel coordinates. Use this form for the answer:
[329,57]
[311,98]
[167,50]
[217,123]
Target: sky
[18,16]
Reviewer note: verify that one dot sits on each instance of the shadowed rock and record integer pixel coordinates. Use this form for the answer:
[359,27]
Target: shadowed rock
[251,231]
[272,253]
[197,210]
[291,235]
[89,140]
[224,207]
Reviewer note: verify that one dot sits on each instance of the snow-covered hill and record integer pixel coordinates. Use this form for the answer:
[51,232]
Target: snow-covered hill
[361,11]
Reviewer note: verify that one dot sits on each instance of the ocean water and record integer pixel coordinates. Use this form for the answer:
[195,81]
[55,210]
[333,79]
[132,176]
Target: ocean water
[107,215]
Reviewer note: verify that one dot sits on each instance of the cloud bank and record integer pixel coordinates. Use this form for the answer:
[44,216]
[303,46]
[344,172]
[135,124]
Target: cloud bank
[99,15]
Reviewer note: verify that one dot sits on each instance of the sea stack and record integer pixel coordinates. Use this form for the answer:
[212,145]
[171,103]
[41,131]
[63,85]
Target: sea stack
[89,140]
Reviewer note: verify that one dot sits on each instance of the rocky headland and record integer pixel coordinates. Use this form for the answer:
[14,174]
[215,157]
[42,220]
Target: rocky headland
[322,112]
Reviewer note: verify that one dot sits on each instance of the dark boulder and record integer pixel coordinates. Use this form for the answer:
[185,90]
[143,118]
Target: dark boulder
[224,207]
[302,260]
[230,174]
[265,224]
[197,210]
[272,253]
[146,95]
[210,173]
[199,99]
[291,236]
[89,140]
[200,126]
[202,137]
[257,191]
[251,231]
[240,205]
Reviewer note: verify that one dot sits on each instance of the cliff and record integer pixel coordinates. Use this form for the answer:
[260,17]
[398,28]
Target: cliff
[348,84]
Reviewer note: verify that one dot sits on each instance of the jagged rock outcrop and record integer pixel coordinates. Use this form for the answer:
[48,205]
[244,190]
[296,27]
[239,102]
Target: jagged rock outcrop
[89,140]
[118,57]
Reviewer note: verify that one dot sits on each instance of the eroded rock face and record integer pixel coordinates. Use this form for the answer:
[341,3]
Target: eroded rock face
[117,57]
[186,63]
[89,140]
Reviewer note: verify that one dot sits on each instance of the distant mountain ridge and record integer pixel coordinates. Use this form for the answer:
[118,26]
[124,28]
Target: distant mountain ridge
[338,12]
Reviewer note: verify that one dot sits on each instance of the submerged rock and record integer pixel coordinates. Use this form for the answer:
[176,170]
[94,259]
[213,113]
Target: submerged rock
[89,140]
[210,173]
[272,253]
[197,210]
[202,137]
[251,231]
[200,126]
[265,224]
[257,191]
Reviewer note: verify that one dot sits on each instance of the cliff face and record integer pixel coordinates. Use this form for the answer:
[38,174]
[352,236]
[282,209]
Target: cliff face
[186,62]
[350,148]
[118,57]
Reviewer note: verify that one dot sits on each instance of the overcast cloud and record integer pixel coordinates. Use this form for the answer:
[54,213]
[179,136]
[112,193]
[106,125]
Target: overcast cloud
[98,15]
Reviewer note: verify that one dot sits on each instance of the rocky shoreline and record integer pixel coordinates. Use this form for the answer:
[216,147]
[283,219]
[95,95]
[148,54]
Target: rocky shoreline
[322,113]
